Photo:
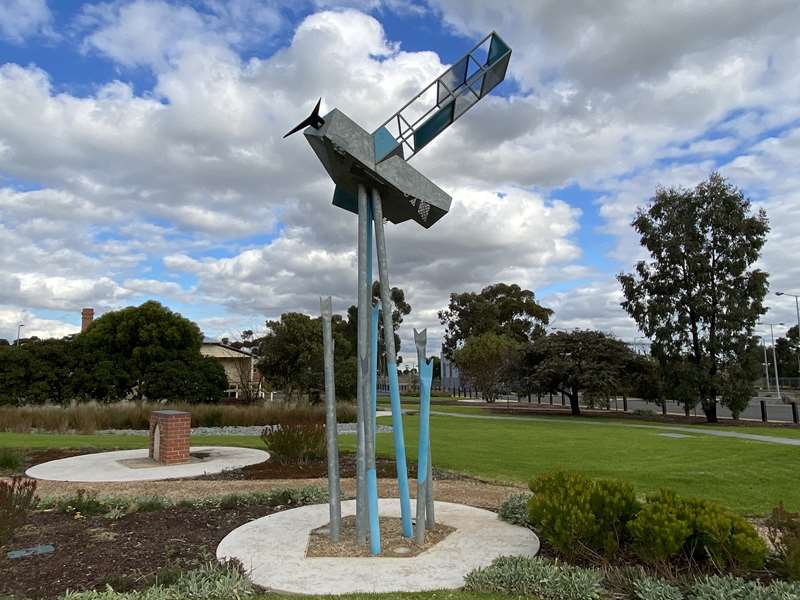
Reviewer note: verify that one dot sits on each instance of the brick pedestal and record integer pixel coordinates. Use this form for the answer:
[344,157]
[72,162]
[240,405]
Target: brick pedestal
[170,431]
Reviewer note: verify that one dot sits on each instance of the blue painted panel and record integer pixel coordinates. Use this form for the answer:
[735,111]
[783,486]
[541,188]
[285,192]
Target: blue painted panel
[385,144]
[438,122]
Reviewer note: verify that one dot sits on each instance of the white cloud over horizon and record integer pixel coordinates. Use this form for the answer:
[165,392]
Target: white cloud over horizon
[186,191]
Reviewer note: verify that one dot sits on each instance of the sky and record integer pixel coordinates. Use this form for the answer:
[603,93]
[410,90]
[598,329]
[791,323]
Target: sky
[141,150]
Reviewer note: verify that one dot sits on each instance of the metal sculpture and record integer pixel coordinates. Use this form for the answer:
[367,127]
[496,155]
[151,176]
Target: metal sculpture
[424,469]
[334,493]
[358,161]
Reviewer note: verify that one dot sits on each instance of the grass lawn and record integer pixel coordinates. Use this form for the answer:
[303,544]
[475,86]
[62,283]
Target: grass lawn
[751,477]
[748,476]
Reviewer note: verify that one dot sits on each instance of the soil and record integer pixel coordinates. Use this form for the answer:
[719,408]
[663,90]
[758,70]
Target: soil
[272,469]
[393,543]
[128,553]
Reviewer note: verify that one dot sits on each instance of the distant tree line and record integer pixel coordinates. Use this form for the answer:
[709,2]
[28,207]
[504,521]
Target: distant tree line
[144,352]
[698,298]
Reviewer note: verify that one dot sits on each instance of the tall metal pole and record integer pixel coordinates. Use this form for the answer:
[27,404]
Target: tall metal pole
[365,362]
[391,365]
[362,376]
[766,361]
[334,492]
[425,369]
[775,361]
[373,362]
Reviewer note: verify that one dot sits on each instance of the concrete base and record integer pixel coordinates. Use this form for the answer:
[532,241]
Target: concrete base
[134,465]
[272,550]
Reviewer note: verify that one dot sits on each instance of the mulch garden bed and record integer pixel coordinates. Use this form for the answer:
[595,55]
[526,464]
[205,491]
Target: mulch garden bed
[127,553]
[272,469]
[393,543]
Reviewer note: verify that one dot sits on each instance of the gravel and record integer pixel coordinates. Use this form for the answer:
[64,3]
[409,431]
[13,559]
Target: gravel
[349,428]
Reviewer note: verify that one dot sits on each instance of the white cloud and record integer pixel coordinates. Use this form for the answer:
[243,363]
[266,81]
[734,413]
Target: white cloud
[21,19]
[608,96]
[33,325]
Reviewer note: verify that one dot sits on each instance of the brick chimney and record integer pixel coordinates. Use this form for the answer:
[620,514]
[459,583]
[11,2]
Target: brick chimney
[87,316]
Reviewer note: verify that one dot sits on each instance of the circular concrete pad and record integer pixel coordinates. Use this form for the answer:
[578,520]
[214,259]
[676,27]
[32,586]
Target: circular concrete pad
[133,465]
[272,550]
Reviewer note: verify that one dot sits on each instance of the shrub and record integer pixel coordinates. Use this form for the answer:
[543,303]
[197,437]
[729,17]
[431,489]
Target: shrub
[652,588]
[82,502]
[783,530]
[658,532]
[643,412]
[211,581]
[17,498]
[670,526]
[514,509]
[10,459]
[577,515]
[735,588]
[524,576]
[300,441]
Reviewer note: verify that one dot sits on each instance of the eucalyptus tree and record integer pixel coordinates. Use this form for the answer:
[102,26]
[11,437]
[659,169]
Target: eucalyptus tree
[699,295]
[502,309]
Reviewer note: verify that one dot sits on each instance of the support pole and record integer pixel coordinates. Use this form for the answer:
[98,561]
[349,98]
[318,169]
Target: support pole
[373,366]
[391,366]
[334,493]
[425,376]
[365,364]
[362,376]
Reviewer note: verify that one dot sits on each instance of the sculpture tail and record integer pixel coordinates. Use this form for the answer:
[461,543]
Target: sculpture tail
[313,120]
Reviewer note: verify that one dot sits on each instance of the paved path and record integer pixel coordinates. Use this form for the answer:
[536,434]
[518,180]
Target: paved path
[785,441]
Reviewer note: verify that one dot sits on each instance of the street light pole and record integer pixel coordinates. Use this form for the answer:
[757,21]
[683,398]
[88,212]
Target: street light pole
[797,309]
[766,360]
[775,360]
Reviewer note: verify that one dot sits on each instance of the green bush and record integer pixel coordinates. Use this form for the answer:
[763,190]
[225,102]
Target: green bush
[577,515]
[525,576]
[291,442]
[514,509]
[783,529]
[17,498]
[669,527]
[10,459]
[82,502]
[652,588]
[735,588]
[212,581]
[658,532]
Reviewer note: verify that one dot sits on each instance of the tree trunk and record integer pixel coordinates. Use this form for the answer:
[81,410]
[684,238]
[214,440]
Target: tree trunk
[574,404]
[710,409]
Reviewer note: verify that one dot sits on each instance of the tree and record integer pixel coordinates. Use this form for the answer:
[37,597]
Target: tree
[291,356]
[787,349]
[580,362]
[125,352]
[699,296]
[400,309]
[489,361]
[500,308]
[201,380]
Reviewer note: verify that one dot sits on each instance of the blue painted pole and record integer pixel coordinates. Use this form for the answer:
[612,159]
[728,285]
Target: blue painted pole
[376,315]
[423,468]
[394,387]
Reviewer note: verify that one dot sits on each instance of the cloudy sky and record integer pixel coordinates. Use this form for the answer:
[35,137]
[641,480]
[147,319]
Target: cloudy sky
[141,153]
